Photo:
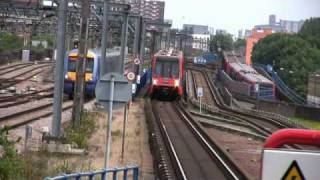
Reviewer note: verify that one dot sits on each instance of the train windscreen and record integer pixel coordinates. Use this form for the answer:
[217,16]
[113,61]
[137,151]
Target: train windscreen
[89,65]
[72,65]
[167,68]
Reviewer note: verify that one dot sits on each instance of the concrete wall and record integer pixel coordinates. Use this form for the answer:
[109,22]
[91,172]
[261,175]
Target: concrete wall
[226,95]
[234,86]
[9,56]
[289,110]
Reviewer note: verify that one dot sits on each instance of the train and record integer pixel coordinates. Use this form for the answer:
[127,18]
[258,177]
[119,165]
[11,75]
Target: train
[260,86]
[167,77]
[92,69]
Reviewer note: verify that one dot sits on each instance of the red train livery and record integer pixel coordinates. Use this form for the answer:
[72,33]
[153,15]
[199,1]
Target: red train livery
[167,75]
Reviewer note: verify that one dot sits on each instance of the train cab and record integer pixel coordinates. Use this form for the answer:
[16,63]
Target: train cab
[167,75]
[91,72]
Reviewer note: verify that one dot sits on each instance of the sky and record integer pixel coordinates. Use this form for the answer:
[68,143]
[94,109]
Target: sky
[233,15]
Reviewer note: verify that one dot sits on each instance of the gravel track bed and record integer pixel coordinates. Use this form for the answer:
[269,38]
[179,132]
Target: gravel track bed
[22,107]
[244,149]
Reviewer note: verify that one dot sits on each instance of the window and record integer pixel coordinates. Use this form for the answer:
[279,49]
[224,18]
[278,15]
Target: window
[167,68]
[89,65]
[72,65]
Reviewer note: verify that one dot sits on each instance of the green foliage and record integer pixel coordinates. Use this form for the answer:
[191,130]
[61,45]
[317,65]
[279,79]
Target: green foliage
[11,164]
[310,31]
[66,167]
[224,41]
[116,133]
[309,123]
[9,42]
[239,44]
[291,53]
[80,136]
[197,52]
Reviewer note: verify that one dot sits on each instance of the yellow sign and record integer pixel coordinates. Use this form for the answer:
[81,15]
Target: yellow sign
[293,173]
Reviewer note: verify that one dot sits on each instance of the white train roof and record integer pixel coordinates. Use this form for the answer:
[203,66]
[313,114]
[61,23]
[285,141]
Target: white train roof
[249,73]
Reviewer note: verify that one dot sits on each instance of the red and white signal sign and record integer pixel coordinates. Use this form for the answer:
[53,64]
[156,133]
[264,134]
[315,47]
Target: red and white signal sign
[131,76]
[136,61]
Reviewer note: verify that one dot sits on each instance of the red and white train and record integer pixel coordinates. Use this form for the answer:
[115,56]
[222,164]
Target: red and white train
[167,77]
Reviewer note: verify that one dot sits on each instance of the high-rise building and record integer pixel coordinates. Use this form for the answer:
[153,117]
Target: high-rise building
[151,9]
[272,20]
[200,35]
[291,26]
[195,29]
[240,34]
[281,26]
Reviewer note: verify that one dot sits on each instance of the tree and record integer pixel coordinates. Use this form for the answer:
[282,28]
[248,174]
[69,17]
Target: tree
[239,44]
[9,42]
[310,31]
[292,57]
[223,41]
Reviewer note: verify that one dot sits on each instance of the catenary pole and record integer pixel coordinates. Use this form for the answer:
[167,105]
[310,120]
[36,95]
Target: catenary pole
[124,37]
[79,85]
[58,70]
[104,38]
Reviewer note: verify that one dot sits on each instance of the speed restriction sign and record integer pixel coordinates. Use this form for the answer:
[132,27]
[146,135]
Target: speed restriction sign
[136,61]
[131,76]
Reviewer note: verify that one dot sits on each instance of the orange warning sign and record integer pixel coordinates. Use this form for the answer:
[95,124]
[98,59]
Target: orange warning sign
[293,173]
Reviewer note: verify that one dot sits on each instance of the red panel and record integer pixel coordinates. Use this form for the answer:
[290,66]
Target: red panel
[293,136]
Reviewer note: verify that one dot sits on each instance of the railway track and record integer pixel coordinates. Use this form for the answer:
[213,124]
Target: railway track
[28,115]
[266,126]
[192,153]
[14,67]
[22,76]
[25,98]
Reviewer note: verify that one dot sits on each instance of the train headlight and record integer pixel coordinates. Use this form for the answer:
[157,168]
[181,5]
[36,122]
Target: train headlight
[155,82]
[176,82]
[66,76]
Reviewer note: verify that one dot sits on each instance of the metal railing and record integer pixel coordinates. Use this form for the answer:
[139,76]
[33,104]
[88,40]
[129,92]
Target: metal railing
[103,174]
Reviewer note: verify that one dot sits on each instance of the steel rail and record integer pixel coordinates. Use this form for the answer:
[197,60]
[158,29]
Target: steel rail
[208,145]
[229,171]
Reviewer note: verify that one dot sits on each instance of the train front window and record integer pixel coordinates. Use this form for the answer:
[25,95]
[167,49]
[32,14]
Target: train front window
[72,65]
[89,65]
[167,68]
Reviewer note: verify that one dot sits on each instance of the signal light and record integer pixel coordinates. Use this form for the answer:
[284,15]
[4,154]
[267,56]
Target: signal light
[155,82]
[176,82]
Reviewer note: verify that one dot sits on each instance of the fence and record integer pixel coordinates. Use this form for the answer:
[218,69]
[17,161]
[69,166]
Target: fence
[282,87]
[127,171]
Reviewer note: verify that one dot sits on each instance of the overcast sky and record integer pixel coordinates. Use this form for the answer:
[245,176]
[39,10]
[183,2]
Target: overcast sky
[233,15]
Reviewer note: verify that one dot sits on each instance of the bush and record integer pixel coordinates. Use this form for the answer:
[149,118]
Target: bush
[87,127]
[11,164]
[10,42]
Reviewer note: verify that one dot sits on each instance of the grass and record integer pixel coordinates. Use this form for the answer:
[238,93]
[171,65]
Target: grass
[116,133]
[312,124]
[81,136]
